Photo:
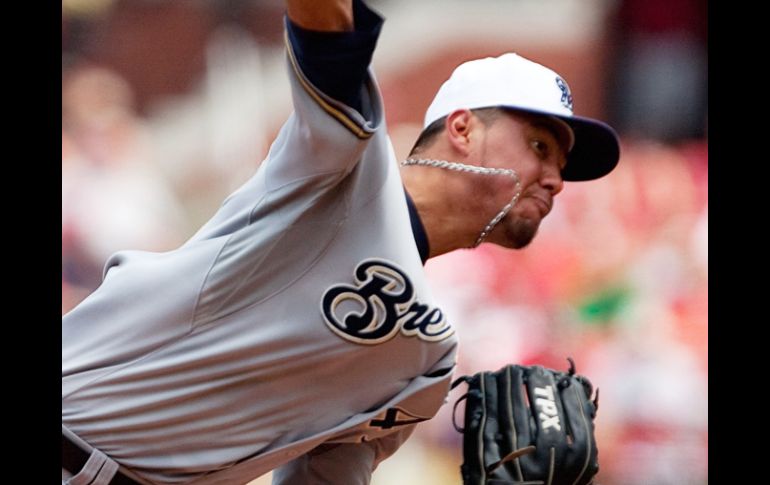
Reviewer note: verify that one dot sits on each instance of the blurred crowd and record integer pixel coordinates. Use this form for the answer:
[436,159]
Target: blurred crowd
[617,278]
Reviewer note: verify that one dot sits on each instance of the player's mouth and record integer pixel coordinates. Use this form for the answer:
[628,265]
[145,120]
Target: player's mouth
[543,204]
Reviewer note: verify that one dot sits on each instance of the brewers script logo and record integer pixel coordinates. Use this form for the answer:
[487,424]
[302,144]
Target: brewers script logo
[381,303]
[566,96]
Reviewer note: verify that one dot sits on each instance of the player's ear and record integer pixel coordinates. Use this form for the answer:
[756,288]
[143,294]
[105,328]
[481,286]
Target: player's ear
[458,127]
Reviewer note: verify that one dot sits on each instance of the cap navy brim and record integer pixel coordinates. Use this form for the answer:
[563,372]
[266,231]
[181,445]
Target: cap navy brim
[596,151]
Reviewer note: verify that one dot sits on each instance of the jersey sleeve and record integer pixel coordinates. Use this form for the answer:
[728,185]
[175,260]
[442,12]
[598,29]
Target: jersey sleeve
[337,62]
[337,114]
[350,463]
[336,101]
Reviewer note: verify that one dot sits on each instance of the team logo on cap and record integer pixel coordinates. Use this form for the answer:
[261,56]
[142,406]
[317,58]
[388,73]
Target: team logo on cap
[381,303]
[566,96]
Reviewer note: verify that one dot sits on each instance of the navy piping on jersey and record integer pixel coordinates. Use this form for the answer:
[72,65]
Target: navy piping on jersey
[418,230]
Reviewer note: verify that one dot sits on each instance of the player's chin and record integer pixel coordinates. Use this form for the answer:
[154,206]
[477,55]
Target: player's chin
[520,232]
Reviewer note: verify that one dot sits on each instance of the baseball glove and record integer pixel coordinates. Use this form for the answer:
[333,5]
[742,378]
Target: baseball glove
[528,425]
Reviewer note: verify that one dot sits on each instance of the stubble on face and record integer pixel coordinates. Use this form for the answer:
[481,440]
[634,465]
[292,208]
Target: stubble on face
[520,225]
[520,231]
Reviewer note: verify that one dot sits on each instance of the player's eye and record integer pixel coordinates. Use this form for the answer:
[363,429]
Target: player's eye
[541,148]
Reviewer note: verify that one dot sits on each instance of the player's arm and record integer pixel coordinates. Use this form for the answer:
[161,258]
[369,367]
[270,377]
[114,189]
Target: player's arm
[337,105]
[323,16]
[331,46]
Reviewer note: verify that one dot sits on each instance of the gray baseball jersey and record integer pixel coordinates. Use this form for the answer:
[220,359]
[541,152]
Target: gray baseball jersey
[298,316]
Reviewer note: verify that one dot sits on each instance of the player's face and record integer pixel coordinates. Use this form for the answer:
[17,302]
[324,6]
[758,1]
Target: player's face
[535,147]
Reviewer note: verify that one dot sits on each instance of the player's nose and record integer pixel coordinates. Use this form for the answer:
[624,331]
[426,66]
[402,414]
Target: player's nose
[551,179]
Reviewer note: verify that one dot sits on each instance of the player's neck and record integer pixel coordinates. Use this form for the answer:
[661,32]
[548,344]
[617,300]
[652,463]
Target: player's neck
[450,220]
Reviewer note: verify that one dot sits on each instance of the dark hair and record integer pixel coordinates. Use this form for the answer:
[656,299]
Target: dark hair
[428,135]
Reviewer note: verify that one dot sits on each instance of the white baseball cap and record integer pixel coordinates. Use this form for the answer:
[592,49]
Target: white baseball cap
[511,81]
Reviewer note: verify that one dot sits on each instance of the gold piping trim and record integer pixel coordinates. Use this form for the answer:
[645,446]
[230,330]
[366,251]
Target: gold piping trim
[340,116]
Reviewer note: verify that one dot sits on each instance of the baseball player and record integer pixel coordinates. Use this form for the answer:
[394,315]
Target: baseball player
[295,331]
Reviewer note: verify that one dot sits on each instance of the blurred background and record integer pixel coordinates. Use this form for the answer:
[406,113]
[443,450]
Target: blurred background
[169,106]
